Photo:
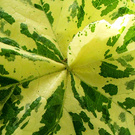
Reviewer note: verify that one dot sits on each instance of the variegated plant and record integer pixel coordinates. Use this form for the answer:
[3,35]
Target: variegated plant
[67,67]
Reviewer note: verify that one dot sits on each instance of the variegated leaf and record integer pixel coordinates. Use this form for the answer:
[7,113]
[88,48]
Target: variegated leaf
[67,67]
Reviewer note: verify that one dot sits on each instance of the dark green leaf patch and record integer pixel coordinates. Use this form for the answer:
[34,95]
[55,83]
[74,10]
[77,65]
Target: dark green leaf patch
[81,13]
[24,125]
[109,4]
[3,70]
[124,131]
[122,11]
[92,100]
[78,123]
[86,119]
[123,62]
[103,132]
[110,70]
[113,40]
[107,55]
[128,103]
[2,29]
[6,17]
[29,50]
[38,6]
[76,94]
[111,89]
[9,54]
[77,11]
[73,8]
[4,81]
[4,93]
[17,91]
[128,58]
[130,84]
[44,46]
[10,112]
[129,38]
[9,116]
[46,8]
[122,117]
[53,112]
[26,84]
[9,41]
[84,116]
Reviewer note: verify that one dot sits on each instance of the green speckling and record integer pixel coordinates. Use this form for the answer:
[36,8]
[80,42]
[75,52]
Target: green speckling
[92,26]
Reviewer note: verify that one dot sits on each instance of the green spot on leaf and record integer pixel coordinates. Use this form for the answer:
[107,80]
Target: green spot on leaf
[130,85]
[111,89]
[110,70]
[78,123]
[6,17]
[3,70]
[122,117]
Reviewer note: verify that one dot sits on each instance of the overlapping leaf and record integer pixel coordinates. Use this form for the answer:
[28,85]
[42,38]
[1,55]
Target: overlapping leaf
[54,81]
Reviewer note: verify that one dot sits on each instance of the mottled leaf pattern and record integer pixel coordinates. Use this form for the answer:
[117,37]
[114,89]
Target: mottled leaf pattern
[67,67]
